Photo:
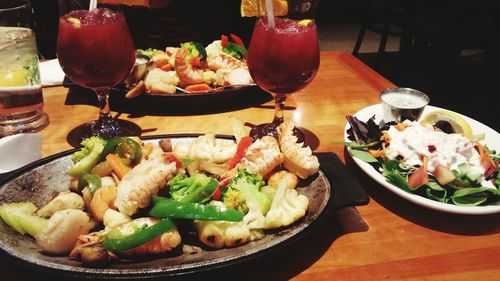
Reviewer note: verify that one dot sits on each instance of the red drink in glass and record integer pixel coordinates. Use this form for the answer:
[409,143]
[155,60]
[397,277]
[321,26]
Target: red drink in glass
[283,59]
[94,48]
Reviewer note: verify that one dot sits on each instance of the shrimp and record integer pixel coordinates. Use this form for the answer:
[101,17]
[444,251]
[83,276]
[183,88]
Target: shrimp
[164,243]
[262,156]
[187,74]
[102,200]
[142,182]
[297,159]
[224,61]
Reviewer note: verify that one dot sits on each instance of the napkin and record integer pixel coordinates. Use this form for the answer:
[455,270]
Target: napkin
[51,73]
[19,150]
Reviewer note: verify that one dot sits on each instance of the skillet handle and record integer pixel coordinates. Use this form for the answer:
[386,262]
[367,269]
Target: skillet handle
[346,189]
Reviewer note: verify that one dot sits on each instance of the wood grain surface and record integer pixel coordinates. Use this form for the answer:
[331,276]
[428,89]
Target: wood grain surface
[387,239]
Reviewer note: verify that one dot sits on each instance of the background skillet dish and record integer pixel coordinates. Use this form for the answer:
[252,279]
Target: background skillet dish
[491,138]
[173,104]
[41,180]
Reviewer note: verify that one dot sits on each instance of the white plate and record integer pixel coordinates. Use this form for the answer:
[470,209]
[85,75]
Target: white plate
[491,138]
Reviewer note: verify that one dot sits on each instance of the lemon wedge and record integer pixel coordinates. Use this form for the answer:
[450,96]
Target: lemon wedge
[254,8]
[15,77]
[75,22]
[456,121]
[304,22]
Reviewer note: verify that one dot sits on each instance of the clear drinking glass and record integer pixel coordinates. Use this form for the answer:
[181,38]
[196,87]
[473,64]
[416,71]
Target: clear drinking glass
[282,59]
[21,99]
[95,50]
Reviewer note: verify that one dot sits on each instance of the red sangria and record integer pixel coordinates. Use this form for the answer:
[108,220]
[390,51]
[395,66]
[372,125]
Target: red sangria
[96,51]
[283,57]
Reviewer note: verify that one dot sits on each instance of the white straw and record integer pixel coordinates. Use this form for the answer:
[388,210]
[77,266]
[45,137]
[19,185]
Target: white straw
[92,5]
[270,13]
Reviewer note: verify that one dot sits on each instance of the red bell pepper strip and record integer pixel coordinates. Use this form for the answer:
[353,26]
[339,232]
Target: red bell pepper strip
[195,62]
[244,143]
[224,40]
[237,40]
[171,158]
[218,192]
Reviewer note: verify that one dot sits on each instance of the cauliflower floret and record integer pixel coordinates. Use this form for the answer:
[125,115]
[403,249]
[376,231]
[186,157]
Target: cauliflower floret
[213,49]
[114,218]
[287,207]
[221,76]
[161,82]
[206,147]
[171,51]
[239,76]
[290,179]
[209,77]
[254,219]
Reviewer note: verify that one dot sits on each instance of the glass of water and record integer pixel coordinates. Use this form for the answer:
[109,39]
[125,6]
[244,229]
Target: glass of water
[21,99]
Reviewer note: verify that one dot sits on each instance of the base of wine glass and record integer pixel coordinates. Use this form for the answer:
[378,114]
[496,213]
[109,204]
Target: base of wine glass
[269,129]
[126,128]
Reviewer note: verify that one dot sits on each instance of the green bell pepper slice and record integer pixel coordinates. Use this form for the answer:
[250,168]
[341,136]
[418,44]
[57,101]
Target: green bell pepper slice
[125,148]
[90,180]
[116,242]
[164,207]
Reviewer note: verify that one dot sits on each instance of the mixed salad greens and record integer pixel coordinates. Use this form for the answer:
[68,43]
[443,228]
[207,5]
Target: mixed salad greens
[465,175]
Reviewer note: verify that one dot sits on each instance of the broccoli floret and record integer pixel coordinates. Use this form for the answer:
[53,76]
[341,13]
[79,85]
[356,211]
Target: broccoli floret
[235,50]
[197,188]
[233,198]
[195,49]
[87,157]
[87,146]
[149,52]
[243,193]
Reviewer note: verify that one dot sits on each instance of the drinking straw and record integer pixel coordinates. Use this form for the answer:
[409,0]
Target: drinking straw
[270,13]
[92,5]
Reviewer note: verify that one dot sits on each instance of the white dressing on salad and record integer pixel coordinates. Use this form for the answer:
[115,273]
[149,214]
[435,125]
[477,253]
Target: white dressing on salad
[449,150]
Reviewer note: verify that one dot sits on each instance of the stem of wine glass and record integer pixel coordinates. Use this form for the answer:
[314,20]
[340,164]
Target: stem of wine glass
[279,107]
[106,126]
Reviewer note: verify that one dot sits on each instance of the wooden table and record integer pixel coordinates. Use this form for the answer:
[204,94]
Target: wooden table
[387,239]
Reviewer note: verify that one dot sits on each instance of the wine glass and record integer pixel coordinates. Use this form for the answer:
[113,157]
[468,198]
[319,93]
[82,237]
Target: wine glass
[283,57]
[95,50]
